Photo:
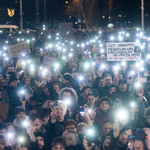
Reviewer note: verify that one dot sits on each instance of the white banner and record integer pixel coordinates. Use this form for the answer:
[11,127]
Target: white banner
[127,51]
[17,49]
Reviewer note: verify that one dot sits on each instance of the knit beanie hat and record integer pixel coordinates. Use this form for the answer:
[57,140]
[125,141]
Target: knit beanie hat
[19,109]
[84,88]
[13,77]
[67,76]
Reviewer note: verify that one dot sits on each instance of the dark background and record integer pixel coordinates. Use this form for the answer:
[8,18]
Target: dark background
[56,12]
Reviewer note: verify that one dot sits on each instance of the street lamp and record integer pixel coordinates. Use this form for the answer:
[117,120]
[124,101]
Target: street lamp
[142,14]
[21,16]
[45,11]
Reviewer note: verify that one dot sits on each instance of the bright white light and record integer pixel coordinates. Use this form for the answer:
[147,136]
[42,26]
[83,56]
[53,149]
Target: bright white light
[142,69]
[32,66]
[148,56]
[137,85]
[6,58]
[102,50]
[64,57]
[90,132]
[93,63]
[4,54]
[27,31]
[57,34]
[87,65]
[28,41]
[141,34]
[142,46]
[123,32]
[121,115]
[78,45]
[116,68]
[29,61]
[137,40]
[49,36]
[22,92]
[50,45]
[133,72]
[10,135]
[6,41]
[132,104]
[22,39]
[120,38]
[87,43]
[102,66]
[33,39]
[119,32]
[81,78]
[18,40]
[142,62]
[82,45]
[101,45]
[68,102]
[21,139]
[127,34]
[138,29]
[64,50]
[138,64]
[19,32]
[4,48]
[57,65]
[71,42]
[112,38]
[100,32]
[123,63]
[89,111]
[25,123]
[70,55]
[96,37]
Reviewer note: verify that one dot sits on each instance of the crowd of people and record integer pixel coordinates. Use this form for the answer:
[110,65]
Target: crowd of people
[80,101]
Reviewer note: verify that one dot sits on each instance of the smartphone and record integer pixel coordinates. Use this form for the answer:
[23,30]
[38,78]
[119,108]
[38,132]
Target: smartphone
[21,72]
[82,111]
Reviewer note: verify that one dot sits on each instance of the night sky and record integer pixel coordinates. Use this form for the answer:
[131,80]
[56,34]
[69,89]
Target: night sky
[129,9]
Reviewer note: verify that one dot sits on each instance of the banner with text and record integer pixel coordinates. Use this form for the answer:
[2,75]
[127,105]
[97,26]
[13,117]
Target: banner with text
[17,49]
[127,51]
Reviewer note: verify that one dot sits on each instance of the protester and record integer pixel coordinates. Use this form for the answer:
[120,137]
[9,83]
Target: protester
[52,96]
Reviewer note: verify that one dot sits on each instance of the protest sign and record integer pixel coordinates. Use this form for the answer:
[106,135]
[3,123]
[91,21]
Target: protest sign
[128,51]
[17,49]
[48,60]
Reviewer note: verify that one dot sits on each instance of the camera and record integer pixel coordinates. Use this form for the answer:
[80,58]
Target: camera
[138,134]
[53,103]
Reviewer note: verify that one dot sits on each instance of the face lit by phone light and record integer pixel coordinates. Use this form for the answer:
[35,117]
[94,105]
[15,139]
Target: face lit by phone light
[20,116]
[61,109]
[40,142]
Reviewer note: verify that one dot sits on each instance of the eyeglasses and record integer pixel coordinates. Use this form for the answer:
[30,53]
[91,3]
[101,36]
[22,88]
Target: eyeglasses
[108,79]
[71,128]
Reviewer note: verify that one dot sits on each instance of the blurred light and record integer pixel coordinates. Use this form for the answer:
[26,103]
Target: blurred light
[112,38]
[127,34]
[137,85]
[123,63]
[49,36]
[21,139]
[137,40]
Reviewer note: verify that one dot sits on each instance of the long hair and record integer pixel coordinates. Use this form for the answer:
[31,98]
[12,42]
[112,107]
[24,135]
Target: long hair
[70,90]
